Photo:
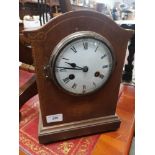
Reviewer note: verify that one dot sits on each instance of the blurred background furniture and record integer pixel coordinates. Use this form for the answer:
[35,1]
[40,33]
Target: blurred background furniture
[29,88]
[36,8]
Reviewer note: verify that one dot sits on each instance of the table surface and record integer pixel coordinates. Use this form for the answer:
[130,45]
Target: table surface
[117,142]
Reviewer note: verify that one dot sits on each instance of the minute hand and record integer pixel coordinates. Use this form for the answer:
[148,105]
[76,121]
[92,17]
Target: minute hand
[70,68]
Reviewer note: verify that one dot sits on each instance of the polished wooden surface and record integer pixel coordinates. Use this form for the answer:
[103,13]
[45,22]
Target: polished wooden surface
[21,153]
[118,142]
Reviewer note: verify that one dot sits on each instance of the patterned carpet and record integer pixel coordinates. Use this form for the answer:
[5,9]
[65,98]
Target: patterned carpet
[29,141]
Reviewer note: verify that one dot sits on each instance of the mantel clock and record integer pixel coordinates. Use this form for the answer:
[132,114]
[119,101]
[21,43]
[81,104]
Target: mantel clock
[79,58]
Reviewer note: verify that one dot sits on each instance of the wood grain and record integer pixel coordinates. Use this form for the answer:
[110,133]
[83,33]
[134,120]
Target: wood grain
[119,142]
[99,104]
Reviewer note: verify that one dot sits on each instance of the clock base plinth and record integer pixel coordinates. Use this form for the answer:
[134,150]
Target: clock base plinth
[77,129]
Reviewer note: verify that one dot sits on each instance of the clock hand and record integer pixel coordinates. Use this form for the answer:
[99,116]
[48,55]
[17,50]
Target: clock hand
[70,68]
[84,69]
[73,65]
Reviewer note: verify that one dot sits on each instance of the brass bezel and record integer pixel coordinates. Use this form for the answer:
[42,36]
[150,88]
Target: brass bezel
[68,39]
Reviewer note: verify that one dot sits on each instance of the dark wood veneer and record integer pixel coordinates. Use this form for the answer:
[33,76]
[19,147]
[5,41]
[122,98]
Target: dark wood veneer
[54,101]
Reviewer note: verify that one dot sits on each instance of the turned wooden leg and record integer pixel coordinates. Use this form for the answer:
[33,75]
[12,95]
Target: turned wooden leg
[128,69]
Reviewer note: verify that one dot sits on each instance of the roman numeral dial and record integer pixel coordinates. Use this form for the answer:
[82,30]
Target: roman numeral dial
[85,45]
[83,64]
[66,80]
[74,86]
[73,49]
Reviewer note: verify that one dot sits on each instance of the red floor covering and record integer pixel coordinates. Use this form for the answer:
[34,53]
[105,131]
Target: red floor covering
[29,141]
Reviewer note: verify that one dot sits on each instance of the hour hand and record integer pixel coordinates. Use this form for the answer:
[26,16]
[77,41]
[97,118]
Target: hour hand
[73,65]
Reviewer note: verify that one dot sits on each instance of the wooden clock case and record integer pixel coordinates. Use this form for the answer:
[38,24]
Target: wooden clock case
[82,115]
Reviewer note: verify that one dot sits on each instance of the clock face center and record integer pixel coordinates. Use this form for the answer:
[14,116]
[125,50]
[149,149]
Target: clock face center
[85,69]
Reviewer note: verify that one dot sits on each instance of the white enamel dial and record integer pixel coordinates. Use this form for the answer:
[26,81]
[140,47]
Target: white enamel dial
[82,63]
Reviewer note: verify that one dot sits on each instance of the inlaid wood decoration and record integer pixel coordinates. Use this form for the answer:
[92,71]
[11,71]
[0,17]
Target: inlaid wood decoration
[79,58]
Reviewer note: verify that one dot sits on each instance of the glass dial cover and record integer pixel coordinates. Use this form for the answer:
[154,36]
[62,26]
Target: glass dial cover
[82,62]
